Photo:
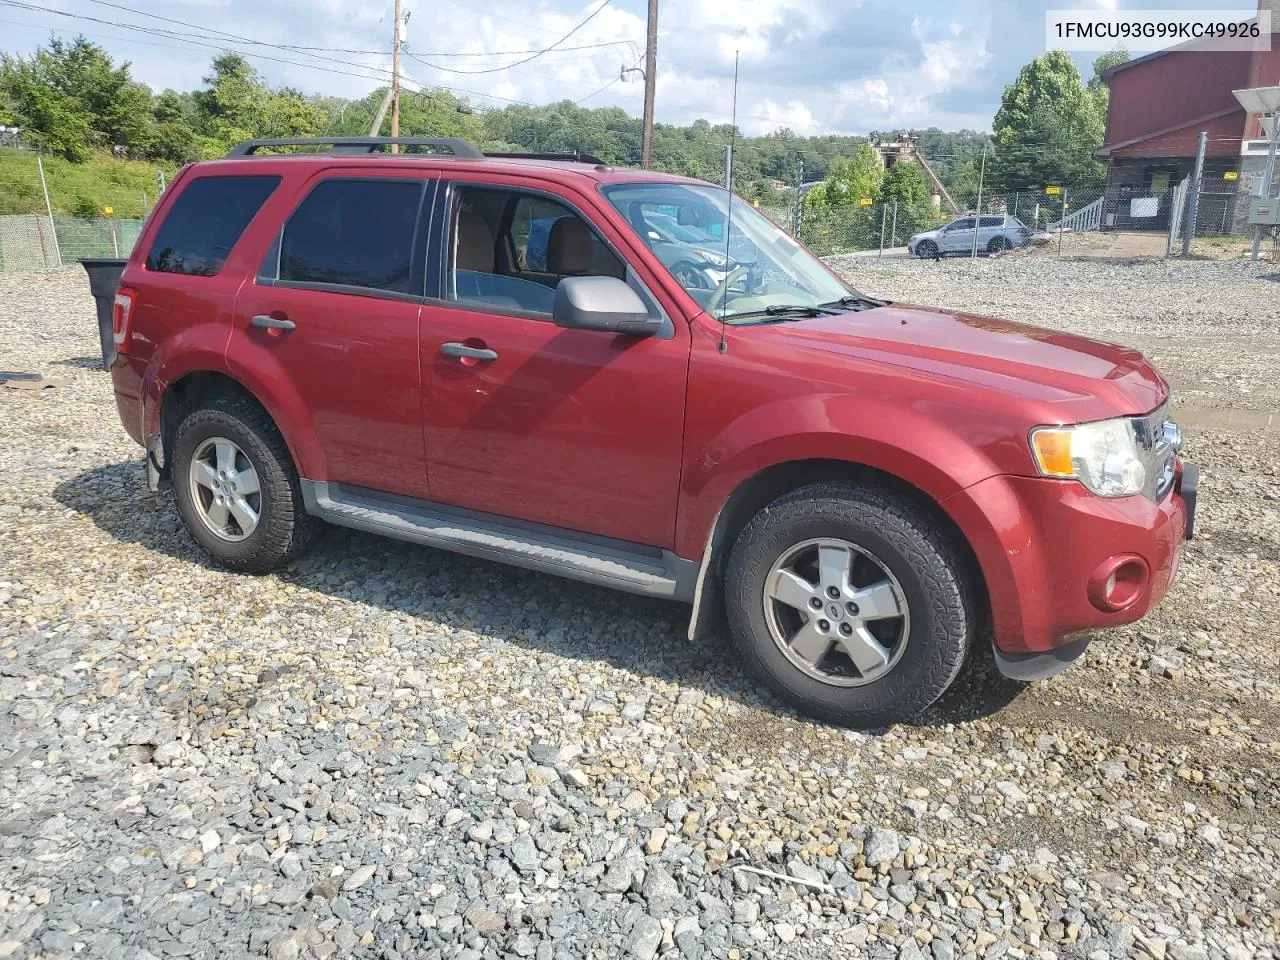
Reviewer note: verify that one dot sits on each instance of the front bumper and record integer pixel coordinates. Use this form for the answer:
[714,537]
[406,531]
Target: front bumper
[1046,549]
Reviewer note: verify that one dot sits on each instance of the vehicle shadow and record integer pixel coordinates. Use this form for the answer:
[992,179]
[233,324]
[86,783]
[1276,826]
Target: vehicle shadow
[640,635]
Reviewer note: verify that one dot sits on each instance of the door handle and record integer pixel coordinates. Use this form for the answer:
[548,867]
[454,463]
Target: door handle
[271,323]
[461,350]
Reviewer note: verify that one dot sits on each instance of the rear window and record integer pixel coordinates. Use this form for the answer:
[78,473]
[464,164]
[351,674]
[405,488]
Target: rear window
[355,233]
[205,222]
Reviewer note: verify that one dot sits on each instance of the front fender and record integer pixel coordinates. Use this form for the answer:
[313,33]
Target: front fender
[904,442]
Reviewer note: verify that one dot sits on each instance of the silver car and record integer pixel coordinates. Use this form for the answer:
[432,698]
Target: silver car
[996,232]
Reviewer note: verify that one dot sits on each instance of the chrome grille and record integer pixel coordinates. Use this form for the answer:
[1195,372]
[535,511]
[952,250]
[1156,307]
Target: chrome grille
[1159,440]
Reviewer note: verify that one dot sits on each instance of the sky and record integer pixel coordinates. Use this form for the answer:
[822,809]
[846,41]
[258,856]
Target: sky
[815,66]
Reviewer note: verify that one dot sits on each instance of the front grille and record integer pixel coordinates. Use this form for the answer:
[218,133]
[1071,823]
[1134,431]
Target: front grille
[1159,441]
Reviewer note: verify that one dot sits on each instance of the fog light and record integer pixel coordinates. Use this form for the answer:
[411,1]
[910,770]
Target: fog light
[1118,583]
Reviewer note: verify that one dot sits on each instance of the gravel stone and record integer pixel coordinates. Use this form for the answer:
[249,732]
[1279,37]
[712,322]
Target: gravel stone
[201,764]
[644,939]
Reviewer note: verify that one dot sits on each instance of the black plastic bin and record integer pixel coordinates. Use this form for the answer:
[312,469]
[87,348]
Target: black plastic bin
[104,277]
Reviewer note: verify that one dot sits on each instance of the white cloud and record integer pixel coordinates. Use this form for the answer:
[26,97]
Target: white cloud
[812,65]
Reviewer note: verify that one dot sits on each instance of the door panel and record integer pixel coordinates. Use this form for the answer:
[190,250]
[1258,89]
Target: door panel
[572,428]
[337,304]
[353,361]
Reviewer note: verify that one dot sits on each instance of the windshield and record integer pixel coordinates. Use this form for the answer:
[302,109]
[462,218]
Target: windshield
[735,267]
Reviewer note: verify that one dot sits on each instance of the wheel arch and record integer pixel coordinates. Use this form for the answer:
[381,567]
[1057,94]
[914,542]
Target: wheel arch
[779,479]
[188,392]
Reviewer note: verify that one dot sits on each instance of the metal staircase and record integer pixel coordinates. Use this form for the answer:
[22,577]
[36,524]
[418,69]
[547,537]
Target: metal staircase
[1086,218]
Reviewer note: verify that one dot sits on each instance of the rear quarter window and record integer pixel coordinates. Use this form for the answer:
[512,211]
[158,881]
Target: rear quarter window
[205,222]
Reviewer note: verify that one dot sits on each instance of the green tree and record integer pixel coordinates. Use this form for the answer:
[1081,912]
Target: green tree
[1046,129]
[233,106]
[71,97]
[288,113]
[849,181]
[1110,59]
[905,184]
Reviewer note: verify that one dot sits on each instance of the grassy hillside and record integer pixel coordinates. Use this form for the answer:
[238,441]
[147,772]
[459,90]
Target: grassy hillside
[77,189]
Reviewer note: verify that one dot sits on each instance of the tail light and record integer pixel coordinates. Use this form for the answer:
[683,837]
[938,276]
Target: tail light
[122,316]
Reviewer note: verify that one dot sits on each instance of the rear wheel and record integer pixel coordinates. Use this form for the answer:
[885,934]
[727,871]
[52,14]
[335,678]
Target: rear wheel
[849,604]
[927,250]
[235,485]
[999,244]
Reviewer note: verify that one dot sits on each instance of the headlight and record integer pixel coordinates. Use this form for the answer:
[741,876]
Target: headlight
[715,259]
[1103,456]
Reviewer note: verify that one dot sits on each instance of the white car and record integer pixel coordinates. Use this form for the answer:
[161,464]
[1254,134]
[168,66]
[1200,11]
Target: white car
[996,232]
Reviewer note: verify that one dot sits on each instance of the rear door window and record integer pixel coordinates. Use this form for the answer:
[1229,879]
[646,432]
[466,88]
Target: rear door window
[358,233]
[993,221]
[205,222]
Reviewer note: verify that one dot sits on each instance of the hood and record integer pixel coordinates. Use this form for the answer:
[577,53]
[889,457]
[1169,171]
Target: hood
[1081,379]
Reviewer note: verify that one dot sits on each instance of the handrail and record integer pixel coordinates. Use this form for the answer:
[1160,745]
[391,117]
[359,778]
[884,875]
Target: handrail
[1088,217]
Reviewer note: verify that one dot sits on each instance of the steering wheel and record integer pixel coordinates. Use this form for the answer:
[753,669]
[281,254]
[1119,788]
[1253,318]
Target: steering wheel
[722,291]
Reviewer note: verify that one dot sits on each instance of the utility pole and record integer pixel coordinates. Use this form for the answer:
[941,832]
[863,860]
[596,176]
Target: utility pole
[650,78]
[1193,201]
[53,227]
[977,214]
[798,213]
[396,39]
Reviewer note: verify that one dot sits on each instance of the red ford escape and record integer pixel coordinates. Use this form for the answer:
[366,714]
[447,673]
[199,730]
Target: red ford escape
[633,379]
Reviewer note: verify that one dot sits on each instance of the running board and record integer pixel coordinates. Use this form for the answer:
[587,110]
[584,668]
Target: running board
[611,563]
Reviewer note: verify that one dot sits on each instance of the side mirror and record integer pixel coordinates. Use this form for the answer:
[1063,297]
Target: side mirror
[606,304]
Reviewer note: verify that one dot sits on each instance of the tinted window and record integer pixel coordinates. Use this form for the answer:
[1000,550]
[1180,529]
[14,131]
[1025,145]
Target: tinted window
[993,221]
[965,224]
[205,222]
[355,233]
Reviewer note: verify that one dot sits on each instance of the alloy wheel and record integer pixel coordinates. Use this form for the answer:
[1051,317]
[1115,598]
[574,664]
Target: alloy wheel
[225,489]
[836,612]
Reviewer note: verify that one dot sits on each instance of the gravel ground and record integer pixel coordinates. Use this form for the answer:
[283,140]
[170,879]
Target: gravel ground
[392,752]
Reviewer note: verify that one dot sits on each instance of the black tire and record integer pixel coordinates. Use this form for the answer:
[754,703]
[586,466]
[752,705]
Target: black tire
[904,540]
[283,526]
[999,244]
[927,250]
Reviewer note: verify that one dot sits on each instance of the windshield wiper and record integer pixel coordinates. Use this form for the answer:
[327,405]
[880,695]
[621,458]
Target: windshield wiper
[786,311]
[856,301]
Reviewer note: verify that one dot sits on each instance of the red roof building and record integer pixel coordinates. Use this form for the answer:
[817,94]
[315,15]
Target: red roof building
[1161,103]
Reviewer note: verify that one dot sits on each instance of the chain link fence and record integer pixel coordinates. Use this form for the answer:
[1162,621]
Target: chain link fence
[31,243]
[1114,221]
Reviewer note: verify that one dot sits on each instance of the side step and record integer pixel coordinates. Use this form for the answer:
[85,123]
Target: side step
[611,563]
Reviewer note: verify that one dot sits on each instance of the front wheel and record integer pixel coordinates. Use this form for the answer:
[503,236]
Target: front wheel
[849,604]
[927,250]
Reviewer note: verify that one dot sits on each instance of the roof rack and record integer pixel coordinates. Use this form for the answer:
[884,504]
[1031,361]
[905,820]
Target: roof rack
[460,148]
[574,157]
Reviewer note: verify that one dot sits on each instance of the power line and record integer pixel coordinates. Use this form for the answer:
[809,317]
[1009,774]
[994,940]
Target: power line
[379,74]
[577,103]
[212,46]
[435,66]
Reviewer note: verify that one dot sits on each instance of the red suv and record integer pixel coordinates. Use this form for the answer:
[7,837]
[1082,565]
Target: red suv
[633,379]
